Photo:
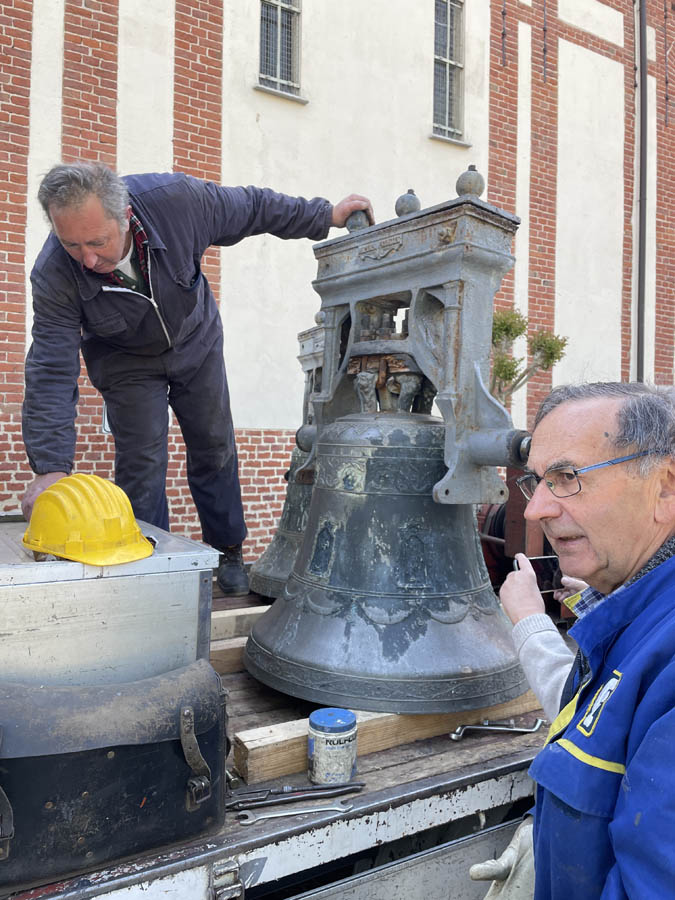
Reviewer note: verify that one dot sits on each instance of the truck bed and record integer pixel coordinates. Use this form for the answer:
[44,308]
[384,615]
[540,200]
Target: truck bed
[418,795]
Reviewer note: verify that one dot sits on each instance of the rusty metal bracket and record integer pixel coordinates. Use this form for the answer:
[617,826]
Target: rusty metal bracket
[199,785]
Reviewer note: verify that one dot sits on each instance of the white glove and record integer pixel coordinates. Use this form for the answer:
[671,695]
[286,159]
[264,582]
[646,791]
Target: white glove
[512,874]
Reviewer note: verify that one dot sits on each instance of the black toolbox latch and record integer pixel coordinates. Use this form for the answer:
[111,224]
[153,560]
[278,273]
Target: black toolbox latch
[199,783]
[6,821]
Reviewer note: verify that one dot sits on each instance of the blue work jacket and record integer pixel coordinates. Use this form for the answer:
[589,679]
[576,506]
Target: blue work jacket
[75,309]
[605,807]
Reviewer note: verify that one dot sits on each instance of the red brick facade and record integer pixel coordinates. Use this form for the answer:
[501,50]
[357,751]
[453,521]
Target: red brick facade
[89,129]
[663,19]
[15,60]
[547,29]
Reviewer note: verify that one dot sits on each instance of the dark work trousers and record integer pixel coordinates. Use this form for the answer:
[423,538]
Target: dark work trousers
[137,391]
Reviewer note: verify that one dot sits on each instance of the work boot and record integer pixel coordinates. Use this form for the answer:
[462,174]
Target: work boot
[232,577]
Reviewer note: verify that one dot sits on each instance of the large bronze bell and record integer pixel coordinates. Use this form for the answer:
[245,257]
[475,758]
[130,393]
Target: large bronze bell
[270,572]
[389,604]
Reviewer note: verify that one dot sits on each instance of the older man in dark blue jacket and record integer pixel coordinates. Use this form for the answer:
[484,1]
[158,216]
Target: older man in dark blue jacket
[120,278]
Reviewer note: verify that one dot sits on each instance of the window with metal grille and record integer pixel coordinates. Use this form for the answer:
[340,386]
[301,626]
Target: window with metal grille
[449,68]
[280,45]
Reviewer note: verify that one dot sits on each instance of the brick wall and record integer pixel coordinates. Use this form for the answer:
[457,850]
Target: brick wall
[546,31]
[15,60]
[662,17]
[89,129]
[503,125]
[264,458]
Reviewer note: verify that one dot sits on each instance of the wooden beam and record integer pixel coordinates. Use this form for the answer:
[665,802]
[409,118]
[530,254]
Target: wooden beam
[228,655]
[270,752]
[231,623]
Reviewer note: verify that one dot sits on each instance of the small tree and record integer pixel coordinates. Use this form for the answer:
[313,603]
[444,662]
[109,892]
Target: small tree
[510,373]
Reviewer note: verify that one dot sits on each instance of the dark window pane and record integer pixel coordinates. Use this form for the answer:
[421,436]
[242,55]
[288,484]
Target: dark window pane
[448,73]
[268,40]
[452,108]
[454,30]
[288,20]
[440,92]
[441,40]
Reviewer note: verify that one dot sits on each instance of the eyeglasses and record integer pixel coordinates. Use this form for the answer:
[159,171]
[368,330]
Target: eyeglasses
[563,481]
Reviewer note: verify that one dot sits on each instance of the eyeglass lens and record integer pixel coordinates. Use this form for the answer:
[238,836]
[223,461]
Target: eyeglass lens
[561,483]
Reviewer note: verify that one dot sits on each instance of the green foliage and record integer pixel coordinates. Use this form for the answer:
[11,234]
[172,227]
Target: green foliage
[509,373]
[547,349]
[507,325]
[506,368]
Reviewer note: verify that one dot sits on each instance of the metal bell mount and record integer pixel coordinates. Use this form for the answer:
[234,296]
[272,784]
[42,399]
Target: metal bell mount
[388,605]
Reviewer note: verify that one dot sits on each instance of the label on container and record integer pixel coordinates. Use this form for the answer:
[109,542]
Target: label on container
[331,758]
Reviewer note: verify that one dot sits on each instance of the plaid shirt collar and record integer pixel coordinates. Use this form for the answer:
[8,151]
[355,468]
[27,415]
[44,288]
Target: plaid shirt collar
[584,601]
[140,239]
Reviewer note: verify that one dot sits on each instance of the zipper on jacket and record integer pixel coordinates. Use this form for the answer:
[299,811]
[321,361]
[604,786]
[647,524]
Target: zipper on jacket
[150,299]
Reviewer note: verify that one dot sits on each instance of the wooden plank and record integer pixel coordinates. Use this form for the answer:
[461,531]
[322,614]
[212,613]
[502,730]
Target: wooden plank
[391,770]
[272,751]
[228,655]
[231,623]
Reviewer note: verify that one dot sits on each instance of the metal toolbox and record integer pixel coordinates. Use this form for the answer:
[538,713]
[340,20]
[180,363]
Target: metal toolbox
[89,775]
[441,873]
[64,622]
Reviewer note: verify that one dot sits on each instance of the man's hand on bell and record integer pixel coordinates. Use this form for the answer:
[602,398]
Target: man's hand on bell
[519,595]
[35,488]
[343,210]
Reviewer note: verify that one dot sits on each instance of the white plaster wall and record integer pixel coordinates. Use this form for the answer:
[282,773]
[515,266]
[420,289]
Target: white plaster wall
[367,72]
[589,238]
[145,116]
[145,86]
[593,17]
[650,241]
[523,175]
[44,125]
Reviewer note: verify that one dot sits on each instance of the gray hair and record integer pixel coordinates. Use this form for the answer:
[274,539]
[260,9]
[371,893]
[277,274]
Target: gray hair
[646,418]
[67,185]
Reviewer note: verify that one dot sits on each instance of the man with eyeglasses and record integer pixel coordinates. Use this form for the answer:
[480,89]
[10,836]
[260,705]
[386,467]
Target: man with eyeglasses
[601,482]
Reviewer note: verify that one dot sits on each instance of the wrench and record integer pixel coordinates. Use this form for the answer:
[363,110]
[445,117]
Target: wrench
[458,733]
[247,817]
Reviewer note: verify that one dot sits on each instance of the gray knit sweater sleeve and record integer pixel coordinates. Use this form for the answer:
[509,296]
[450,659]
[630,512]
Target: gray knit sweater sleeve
[546,659]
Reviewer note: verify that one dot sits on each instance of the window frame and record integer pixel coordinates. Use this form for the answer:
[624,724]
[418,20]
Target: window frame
[450,130]
[275,84]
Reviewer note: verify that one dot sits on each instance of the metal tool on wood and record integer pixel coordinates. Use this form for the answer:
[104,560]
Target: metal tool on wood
[252,799]
[246,817]
[510,726]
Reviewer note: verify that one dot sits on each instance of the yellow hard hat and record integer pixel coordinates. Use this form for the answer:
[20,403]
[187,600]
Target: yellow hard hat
[88,519]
